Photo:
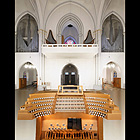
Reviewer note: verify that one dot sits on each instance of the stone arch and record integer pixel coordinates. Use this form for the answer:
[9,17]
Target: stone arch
[107,72]
[31,73]
[69,75]
[77,4]
[63,22]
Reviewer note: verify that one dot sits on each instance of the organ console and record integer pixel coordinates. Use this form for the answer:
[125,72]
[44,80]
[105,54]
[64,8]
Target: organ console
[49,106]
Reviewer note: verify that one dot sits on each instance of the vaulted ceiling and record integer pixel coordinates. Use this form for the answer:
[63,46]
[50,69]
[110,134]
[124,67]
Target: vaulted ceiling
[97,10]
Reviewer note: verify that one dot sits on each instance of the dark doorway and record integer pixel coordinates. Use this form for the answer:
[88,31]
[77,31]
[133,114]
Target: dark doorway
[74,123]
[67,79]
[73,79]
[70,75]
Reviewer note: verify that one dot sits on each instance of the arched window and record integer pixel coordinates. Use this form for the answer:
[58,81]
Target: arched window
[27,35]
[114,74]
[70,40]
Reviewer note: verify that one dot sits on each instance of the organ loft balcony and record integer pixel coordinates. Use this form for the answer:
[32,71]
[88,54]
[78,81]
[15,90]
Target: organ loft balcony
[70,50]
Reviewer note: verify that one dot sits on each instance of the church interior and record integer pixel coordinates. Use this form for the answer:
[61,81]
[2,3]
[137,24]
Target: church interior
[69,69]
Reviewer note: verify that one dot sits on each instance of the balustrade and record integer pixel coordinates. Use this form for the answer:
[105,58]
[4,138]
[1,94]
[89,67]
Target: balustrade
[69,45]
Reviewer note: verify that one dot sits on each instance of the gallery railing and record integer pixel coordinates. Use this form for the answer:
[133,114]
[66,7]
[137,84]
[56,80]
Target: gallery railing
[69,45]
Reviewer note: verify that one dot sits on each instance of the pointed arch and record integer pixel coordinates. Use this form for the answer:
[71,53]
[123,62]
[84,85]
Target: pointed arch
[77,24]
[22,15]
[27,39]
[115,14]
[69,75]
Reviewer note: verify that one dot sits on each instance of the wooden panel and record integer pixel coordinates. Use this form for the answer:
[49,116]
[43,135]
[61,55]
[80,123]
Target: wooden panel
[62,39]
[100,128]
[71,138]
[70,91]
[25,116]
[38,128]
[98,95]
[114,116]
[102,83]
[92,103]
[22,82]
[41,94]
[117,82]
[46,124]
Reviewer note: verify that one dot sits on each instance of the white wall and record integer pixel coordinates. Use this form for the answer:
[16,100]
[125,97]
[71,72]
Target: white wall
[86,70]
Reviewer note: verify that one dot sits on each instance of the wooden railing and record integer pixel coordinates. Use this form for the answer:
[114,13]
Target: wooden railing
[70,90]
[69,45]
[69,134]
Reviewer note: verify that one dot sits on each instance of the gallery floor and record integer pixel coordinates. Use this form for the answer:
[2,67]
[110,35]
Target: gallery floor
[112,129]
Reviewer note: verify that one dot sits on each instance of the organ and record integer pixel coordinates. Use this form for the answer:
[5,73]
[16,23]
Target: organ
[51,107]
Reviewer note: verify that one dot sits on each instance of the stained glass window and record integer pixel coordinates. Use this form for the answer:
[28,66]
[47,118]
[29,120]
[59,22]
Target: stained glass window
[70,40]
[115,74]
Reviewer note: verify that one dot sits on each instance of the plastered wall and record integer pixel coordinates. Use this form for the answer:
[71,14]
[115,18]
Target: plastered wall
[86,71]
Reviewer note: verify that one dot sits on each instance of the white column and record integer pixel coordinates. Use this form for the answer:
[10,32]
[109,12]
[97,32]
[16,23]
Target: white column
[124,64]
[80,38]
[44,68]
[99,58]
[95,70]
[40,53]
[15,63]
[59,39]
